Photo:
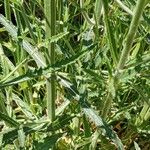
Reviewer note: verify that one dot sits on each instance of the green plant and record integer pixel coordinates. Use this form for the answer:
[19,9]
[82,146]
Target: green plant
[74,74]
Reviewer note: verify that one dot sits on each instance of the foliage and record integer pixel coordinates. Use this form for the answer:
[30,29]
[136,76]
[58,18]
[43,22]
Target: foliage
[94,56]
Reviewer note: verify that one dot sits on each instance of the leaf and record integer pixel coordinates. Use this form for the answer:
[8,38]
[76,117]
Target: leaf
[55,38]
[11,134]
[22,78]
[42,126]
[136,146]
[8,120]
[74,58]
[98,78]
[59,123]
[33,52]
[62,107]
[24,107]
[102,125]
[47,70]
[47,142]
[12,30]
[21,137]
[92,115]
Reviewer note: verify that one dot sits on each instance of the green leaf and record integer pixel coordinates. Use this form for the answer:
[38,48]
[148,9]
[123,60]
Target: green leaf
[47,142]
[57,37]
[8,120]
[9,135]
[74,58]
[47,70]
[98,78]
[33,52]
[92,115]
[136,146]
[62,107]
[24,107]
[21,137]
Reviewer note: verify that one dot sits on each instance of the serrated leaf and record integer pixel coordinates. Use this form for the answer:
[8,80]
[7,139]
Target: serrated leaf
[74,58]
[92,115]
[47,70]
[9,135]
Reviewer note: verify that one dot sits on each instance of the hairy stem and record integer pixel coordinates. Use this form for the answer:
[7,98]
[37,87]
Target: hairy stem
[127,44]
[50,13]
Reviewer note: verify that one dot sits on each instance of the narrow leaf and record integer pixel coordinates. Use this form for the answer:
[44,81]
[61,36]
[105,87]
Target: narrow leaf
[9,120]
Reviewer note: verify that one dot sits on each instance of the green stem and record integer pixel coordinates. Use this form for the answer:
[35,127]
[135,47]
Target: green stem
[7,9]
[131,33]
[50,13]
[124,55]
[107,105]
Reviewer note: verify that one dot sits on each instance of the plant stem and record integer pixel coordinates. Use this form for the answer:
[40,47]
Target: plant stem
[50,13]
[107,105]
[7,9]
[127,44]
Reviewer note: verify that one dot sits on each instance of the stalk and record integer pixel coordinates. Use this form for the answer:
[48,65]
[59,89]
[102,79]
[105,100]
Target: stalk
[127,45]
[9,89]
[131,33]
[7,9]
[50,13]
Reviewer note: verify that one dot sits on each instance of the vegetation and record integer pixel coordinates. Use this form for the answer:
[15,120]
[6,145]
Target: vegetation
[75,74]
